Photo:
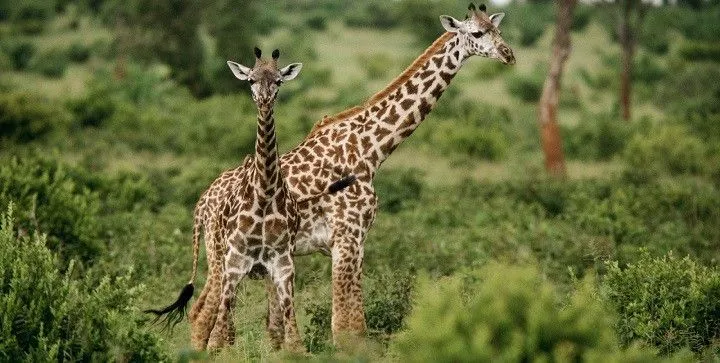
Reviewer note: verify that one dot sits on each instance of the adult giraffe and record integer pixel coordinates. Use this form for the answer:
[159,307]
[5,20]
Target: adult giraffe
[356,142]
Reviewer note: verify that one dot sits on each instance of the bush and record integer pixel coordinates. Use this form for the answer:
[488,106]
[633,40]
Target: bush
[421,18]
[398,189]
[26,117]
[47,315]
[78,52]
[598,137]
[526,87]
[94,109]
[581,18]
[31,16]
[387,301]
[512,315]
[52,63]
[527,22]
[699,51]
[664,150]
[376,14]
[667,302]
[19,52]
[54,203]
[317,333]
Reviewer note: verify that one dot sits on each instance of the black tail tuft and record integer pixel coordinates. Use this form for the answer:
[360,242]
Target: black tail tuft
[172,314]
[341,184]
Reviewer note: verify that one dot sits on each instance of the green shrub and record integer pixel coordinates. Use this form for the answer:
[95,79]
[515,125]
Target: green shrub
[598,137]
[512,315]
[26,117]
[78,52]
[52,63]
[602,79]
[528,88]
[664,150]
[376,14]
[398,189]
[52,202]
[527,23]
[19,52]
[317,333]
[648,70]
[581,18]
[668,302]
[387,301]
[47,315]
[699,51]
[94,109]
[421,18]
[317,21]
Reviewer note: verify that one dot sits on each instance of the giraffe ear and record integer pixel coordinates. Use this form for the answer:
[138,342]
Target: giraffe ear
[240,71]
[497,18]
[451,24]
[291,71]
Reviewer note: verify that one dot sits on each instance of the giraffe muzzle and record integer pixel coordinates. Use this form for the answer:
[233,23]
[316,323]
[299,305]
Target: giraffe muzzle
[506,55]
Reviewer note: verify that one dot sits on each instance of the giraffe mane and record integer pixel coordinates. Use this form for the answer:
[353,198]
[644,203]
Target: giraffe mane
[438,44]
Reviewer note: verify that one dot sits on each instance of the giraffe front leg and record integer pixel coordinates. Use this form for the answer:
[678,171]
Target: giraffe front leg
[236,267]
[282,273]
[348,317]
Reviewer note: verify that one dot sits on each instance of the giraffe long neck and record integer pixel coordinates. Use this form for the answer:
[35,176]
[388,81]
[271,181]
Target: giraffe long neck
[397,111]
[266,154]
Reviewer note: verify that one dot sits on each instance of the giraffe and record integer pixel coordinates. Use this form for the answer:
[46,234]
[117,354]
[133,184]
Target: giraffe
[260,180]
[358,140]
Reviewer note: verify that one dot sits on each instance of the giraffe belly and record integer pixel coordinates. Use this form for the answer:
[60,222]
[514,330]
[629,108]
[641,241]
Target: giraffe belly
[313,236]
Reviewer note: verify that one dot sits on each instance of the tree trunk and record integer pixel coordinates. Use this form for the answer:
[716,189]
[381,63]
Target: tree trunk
[549,130]
[627,44]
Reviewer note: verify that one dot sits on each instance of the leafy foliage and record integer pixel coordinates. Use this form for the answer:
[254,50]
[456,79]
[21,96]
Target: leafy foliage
[48,315]
[512,315]
[668,302]
[26,117]
[53,202]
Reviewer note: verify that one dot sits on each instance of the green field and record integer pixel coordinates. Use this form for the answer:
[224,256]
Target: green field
[475,253]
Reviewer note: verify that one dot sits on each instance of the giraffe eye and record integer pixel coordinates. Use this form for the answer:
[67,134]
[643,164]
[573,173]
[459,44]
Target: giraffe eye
[278,82]
[477,34]
[251,81]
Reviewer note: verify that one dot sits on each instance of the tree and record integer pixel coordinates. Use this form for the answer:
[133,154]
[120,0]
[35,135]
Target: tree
[631,14]
[165,31]
[549,130]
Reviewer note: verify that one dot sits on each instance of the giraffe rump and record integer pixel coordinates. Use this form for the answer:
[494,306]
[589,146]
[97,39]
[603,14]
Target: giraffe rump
[173,314]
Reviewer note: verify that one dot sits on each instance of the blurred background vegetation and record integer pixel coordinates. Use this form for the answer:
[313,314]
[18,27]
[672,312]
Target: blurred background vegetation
[115,115]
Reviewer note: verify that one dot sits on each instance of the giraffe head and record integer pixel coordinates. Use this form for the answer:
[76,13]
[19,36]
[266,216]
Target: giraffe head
[265,78]
[479,34]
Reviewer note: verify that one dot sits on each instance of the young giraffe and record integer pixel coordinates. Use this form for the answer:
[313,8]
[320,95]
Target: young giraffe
[358,140]
[259,178]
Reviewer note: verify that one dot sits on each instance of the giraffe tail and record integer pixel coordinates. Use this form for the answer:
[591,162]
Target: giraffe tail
[172,314]
[334,187]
